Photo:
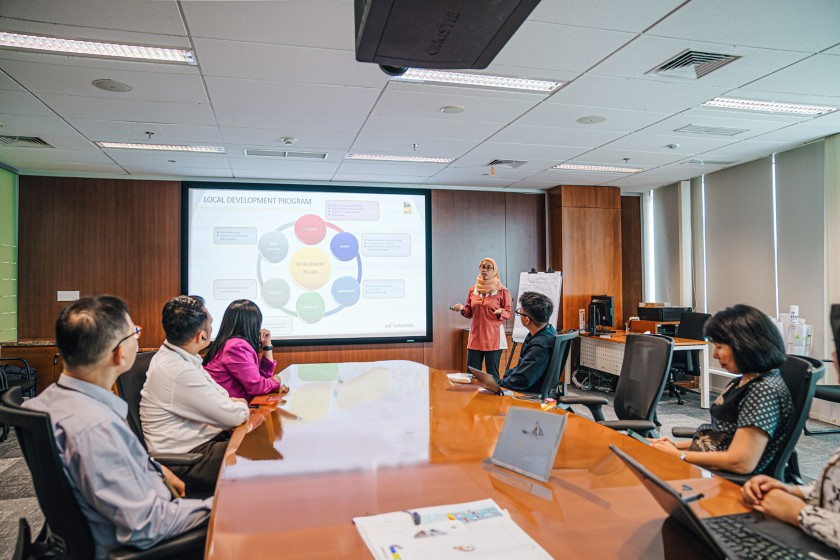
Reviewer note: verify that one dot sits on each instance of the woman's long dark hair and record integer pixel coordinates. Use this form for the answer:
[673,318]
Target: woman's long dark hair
[242,319]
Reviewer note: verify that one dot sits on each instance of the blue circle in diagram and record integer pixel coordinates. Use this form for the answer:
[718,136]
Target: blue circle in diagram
[346,291]
[344,246]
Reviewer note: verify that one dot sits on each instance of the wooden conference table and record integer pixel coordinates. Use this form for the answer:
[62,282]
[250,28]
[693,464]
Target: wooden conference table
[606,352]
[388,436]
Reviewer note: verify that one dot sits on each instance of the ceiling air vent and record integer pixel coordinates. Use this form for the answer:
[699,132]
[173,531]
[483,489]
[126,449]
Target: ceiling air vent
[285,154]
[707,162]
[692,65]
[711,130]
[512,163]
[24,142]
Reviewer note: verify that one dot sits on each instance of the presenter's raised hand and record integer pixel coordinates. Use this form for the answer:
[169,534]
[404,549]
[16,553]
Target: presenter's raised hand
[457,307]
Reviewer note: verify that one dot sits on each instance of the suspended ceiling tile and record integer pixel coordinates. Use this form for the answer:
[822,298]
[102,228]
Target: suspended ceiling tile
[634,95]
[271,138]
[751,127]
[152,17]
[238,151]
[817,75]
[565,116]
[646,53]
[428,105]
[31,125]
[23,103]
[284,95]
[644,142]
[184,172]
[28,157]
[142,158]
[103,64]
[560,47]
[635,159]
[72,106]
[73,169]
[799,133]
[776,24]
[390,168]
[279,63]
[280,164]
[379,179]
[551,136]
[287,122]
[6,82]
[396,145]
[606,14]
[413,129]
[282,23]
[283,175]
[489,151]
[109,35]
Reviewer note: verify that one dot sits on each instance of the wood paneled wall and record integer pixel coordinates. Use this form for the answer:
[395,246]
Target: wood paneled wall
[585,243]
[123,237]
[631,254]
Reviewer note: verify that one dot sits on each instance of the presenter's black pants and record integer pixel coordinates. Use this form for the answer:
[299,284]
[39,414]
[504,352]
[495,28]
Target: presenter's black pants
[201,477]
[490,359]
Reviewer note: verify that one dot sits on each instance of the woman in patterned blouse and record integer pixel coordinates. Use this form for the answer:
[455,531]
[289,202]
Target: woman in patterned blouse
[751,415]
[814,507]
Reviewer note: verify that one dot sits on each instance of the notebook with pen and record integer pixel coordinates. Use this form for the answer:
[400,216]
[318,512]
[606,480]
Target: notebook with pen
[741,536]
[528,442]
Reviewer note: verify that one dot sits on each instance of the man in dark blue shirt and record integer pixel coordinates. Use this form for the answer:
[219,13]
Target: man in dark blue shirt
[527,377]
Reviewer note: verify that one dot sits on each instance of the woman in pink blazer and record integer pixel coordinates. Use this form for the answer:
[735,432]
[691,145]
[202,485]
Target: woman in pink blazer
[232,358]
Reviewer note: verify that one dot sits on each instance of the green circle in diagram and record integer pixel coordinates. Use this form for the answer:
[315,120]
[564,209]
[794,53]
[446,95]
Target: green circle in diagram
[310,307]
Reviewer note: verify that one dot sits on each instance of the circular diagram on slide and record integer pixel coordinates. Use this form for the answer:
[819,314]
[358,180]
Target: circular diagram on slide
[315,262]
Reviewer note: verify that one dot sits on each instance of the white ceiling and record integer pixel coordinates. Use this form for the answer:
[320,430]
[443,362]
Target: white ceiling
[271,69]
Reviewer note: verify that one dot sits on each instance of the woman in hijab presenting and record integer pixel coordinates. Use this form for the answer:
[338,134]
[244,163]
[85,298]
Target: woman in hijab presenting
[488,306]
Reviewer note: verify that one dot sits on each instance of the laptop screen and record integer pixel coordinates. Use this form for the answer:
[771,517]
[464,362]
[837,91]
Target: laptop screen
[528,442]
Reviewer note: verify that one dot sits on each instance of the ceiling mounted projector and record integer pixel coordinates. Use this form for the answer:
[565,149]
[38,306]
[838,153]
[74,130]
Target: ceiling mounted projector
[439,34]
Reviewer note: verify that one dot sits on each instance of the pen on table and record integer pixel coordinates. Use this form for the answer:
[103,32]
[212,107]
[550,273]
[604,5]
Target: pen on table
[414,515]
[693,498]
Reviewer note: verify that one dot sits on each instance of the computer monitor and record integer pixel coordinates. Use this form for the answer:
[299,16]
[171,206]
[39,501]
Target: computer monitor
[601,312]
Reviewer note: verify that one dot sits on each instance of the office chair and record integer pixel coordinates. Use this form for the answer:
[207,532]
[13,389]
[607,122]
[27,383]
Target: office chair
[686,361]
[644,371]
[551,386]
[801,375]
[129,385]
[15,376]
[66,534]
[830,393]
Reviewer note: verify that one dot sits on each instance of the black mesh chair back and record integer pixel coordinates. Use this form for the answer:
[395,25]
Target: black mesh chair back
[129,385]
[691,326]
[644,372]
[801,375]
[559,355]
[67,526]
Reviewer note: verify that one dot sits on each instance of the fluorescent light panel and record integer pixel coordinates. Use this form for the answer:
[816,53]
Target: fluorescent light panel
[21,41]
[411,159]
[162,147]
[477,80]
[768,106]
[596,168]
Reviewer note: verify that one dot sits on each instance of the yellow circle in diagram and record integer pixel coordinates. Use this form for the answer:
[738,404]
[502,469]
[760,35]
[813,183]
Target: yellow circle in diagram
[310,268]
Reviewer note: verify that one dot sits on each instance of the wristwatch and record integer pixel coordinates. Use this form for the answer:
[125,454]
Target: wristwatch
[682,456]
[266,348]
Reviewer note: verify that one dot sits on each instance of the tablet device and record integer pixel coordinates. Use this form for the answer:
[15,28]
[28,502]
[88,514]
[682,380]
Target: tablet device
[528,442]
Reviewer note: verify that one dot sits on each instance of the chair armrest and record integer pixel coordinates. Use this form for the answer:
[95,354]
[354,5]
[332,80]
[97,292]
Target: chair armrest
[594,404]
[176,547]
[829,393]
[177,459]
[683,432]
[738,479]
[642,427]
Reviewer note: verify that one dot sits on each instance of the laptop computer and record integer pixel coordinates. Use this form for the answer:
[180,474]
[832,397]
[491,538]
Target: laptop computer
[528,442]
[743,535]
[484,379]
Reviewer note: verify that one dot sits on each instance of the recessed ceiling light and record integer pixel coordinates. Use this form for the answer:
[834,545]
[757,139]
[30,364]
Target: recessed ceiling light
[40,43]
[112,85]
[477,80]
[412,159]
[161,147]
[592,119]
[768,106]
[452,109]
[600,168]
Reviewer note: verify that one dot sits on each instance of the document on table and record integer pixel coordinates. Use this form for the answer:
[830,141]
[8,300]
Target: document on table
[481,528]
[459,377]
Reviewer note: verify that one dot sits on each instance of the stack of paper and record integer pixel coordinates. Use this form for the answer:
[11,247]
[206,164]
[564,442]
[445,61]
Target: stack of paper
[443,532]
[459,377]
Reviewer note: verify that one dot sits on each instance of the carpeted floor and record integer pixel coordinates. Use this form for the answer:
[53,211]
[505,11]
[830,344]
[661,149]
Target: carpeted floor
[17,496]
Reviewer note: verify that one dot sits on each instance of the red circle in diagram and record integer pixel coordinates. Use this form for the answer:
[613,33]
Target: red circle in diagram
[310,229]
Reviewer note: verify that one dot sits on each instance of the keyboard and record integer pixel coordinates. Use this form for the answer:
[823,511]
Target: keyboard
[739,539]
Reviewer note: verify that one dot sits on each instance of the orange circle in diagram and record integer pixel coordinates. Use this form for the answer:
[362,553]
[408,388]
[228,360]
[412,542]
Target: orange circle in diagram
[310,268]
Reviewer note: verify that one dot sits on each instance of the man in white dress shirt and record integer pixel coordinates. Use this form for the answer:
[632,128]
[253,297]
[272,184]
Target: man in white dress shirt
[182,408]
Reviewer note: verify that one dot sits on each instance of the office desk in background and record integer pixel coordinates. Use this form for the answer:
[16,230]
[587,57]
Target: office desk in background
[290,488]
[606,353]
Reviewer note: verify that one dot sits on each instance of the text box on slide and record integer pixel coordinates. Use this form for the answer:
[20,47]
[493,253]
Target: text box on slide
[279,326]
[383,289]
[235,235]
[386,245]
[359,210]
[231,289]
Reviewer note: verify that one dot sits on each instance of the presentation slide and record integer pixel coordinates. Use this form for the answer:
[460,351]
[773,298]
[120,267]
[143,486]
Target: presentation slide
[324,266]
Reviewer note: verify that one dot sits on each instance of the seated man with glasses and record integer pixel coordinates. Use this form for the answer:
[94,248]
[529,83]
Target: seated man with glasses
[527,376]
[182,409]
[125,496]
